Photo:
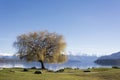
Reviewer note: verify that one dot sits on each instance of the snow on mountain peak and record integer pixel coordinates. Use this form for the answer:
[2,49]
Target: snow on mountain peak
[6,54]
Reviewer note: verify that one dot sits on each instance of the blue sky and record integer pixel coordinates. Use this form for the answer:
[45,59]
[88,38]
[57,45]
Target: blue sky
[89,26]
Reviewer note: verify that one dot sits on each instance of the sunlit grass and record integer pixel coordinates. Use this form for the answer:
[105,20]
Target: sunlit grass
[68,74]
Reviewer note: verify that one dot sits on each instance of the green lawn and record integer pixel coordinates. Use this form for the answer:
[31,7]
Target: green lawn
[68,74]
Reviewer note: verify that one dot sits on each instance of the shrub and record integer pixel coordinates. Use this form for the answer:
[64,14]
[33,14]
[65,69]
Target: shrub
[25,70]
[38,72]
[12,71]
[115,67]
[101,69]
[61,70]
[86,71]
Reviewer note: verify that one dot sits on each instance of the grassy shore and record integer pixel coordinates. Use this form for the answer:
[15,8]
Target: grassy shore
[67,74]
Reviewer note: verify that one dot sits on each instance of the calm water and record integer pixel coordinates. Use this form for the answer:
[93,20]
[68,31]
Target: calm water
[71,64]
[82,62]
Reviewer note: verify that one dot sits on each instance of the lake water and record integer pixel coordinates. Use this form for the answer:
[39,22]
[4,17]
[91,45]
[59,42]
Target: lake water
[70,64]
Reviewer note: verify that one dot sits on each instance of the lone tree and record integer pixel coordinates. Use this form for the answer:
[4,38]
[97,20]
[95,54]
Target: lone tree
[44,47]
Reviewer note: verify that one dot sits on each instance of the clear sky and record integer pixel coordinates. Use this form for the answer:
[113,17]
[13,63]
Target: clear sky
[89,26]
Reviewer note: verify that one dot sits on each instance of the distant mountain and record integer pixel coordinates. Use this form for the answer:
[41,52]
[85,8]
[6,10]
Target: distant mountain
[9,59]
[110,60]
[82,58]
[81,61]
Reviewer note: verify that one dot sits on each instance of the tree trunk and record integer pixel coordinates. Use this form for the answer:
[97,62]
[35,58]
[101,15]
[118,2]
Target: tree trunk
[42,64]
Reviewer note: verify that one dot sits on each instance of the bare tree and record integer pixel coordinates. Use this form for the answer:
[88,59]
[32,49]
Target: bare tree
[44,47]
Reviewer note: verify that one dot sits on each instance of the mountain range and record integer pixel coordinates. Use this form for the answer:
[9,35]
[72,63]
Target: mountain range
[111,60]
[74,61]
[81,61]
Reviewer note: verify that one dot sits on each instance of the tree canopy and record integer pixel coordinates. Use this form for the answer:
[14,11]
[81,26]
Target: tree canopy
[43,46]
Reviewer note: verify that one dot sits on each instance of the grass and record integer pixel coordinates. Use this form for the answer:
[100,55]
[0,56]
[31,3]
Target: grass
[68,74]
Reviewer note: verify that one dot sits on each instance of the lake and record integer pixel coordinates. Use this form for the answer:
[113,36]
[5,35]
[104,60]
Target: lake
[71,63]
